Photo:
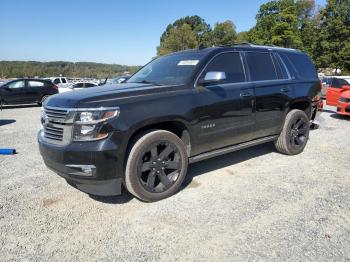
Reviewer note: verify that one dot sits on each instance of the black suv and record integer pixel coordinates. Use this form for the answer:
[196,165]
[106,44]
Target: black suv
[26,91]
[179,109]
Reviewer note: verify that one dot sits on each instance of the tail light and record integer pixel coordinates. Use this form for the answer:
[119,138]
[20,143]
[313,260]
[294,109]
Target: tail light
[56,87]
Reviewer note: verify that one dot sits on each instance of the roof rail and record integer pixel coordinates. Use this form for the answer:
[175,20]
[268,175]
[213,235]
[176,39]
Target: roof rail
[235,44]
[243,43]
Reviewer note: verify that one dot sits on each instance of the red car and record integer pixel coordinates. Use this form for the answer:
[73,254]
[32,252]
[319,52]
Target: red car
[343,106]
[335,90]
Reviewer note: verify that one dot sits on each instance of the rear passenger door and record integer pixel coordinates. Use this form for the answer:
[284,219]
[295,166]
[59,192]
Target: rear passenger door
[227,117]
[34,90]
[272,92]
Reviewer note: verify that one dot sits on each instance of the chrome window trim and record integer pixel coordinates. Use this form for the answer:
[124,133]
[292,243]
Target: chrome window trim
[244,69]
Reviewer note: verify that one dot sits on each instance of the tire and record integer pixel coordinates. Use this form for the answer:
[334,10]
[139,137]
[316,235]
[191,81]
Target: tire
[44,97]
[295,133]
[156,166]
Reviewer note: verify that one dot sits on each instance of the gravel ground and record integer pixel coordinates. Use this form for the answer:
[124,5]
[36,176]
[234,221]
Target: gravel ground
[253,204]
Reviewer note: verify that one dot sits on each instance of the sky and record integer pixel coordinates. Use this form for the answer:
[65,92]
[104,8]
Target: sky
[105,31]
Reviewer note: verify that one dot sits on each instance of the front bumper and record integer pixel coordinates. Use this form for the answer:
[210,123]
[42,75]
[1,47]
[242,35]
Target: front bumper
[343,108]
[89,166]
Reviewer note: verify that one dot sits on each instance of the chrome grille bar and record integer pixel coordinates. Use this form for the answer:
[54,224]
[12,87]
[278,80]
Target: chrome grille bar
[56,125]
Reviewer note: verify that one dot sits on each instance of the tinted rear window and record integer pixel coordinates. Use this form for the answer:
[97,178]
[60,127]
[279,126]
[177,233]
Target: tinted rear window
[300,65]
[261,66]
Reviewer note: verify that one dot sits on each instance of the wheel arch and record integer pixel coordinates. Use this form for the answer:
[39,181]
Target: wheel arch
[177,126]
[301,104]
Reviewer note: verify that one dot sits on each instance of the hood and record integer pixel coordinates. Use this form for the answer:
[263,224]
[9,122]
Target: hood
[345,94]
[106,95]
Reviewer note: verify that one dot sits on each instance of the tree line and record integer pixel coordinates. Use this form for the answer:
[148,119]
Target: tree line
[321,31]
[9,69]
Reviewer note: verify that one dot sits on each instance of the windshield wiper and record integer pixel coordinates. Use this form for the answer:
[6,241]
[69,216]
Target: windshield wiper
[146,82]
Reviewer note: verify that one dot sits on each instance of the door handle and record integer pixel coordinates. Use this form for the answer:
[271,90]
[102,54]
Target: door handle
[246,93]
[285,89]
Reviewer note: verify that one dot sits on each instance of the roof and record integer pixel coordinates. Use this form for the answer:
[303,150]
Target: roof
[242,47]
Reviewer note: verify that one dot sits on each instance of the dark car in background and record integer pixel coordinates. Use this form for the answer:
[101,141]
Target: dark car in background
[26,91]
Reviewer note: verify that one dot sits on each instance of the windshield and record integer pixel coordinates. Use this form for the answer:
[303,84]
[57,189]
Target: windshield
[3,82]
[168,70]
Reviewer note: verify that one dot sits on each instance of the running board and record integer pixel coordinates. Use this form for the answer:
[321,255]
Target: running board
[230,149]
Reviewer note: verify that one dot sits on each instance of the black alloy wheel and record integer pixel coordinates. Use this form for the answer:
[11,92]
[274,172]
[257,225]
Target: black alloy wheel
[298,133]
[156,165]
[295,133]
[159,167]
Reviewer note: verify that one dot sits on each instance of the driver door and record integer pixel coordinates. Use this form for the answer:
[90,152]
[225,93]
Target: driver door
[14,92]
[227,116]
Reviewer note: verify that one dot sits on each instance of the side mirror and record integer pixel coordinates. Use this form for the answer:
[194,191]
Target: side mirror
[212,78]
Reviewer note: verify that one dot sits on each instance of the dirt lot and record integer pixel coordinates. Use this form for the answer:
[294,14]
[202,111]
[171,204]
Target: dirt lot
[250,205]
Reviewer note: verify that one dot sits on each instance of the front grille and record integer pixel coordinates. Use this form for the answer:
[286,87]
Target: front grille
[55,113]
[53,132]
[57,125]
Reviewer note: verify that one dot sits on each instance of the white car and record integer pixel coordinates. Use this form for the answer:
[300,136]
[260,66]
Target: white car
[76,86]
[59,81]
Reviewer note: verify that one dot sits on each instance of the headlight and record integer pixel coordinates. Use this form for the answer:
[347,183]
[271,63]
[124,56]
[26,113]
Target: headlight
[88,123]
[95,116]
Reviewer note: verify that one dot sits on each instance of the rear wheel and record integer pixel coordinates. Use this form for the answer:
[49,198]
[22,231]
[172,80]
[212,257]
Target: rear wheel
[156,166]
[295,133]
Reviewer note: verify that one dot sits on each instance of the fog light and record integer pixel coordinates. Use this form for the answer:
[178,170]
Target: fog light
[83,170]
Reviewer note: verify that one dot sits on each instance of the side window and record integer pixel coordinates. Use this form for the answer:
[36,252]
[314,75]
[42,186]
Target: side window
[280,67]
[35,84]
[343,82]
[63,80]
[291,68]
[261,66]
[231,64]
[56,81]
[79,85]
[303,65]
[335,83]
[339,83]
[16,84]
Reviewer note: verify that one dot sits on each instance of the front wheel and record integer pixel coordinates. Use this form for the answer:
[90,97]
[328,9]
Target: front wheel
[156,166]
[43,99]
[295,133]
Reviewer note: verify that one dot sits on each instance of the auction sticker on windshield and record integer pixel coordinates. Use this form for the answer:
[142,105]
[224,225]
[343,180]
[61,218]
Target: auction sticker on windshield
[188,62]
